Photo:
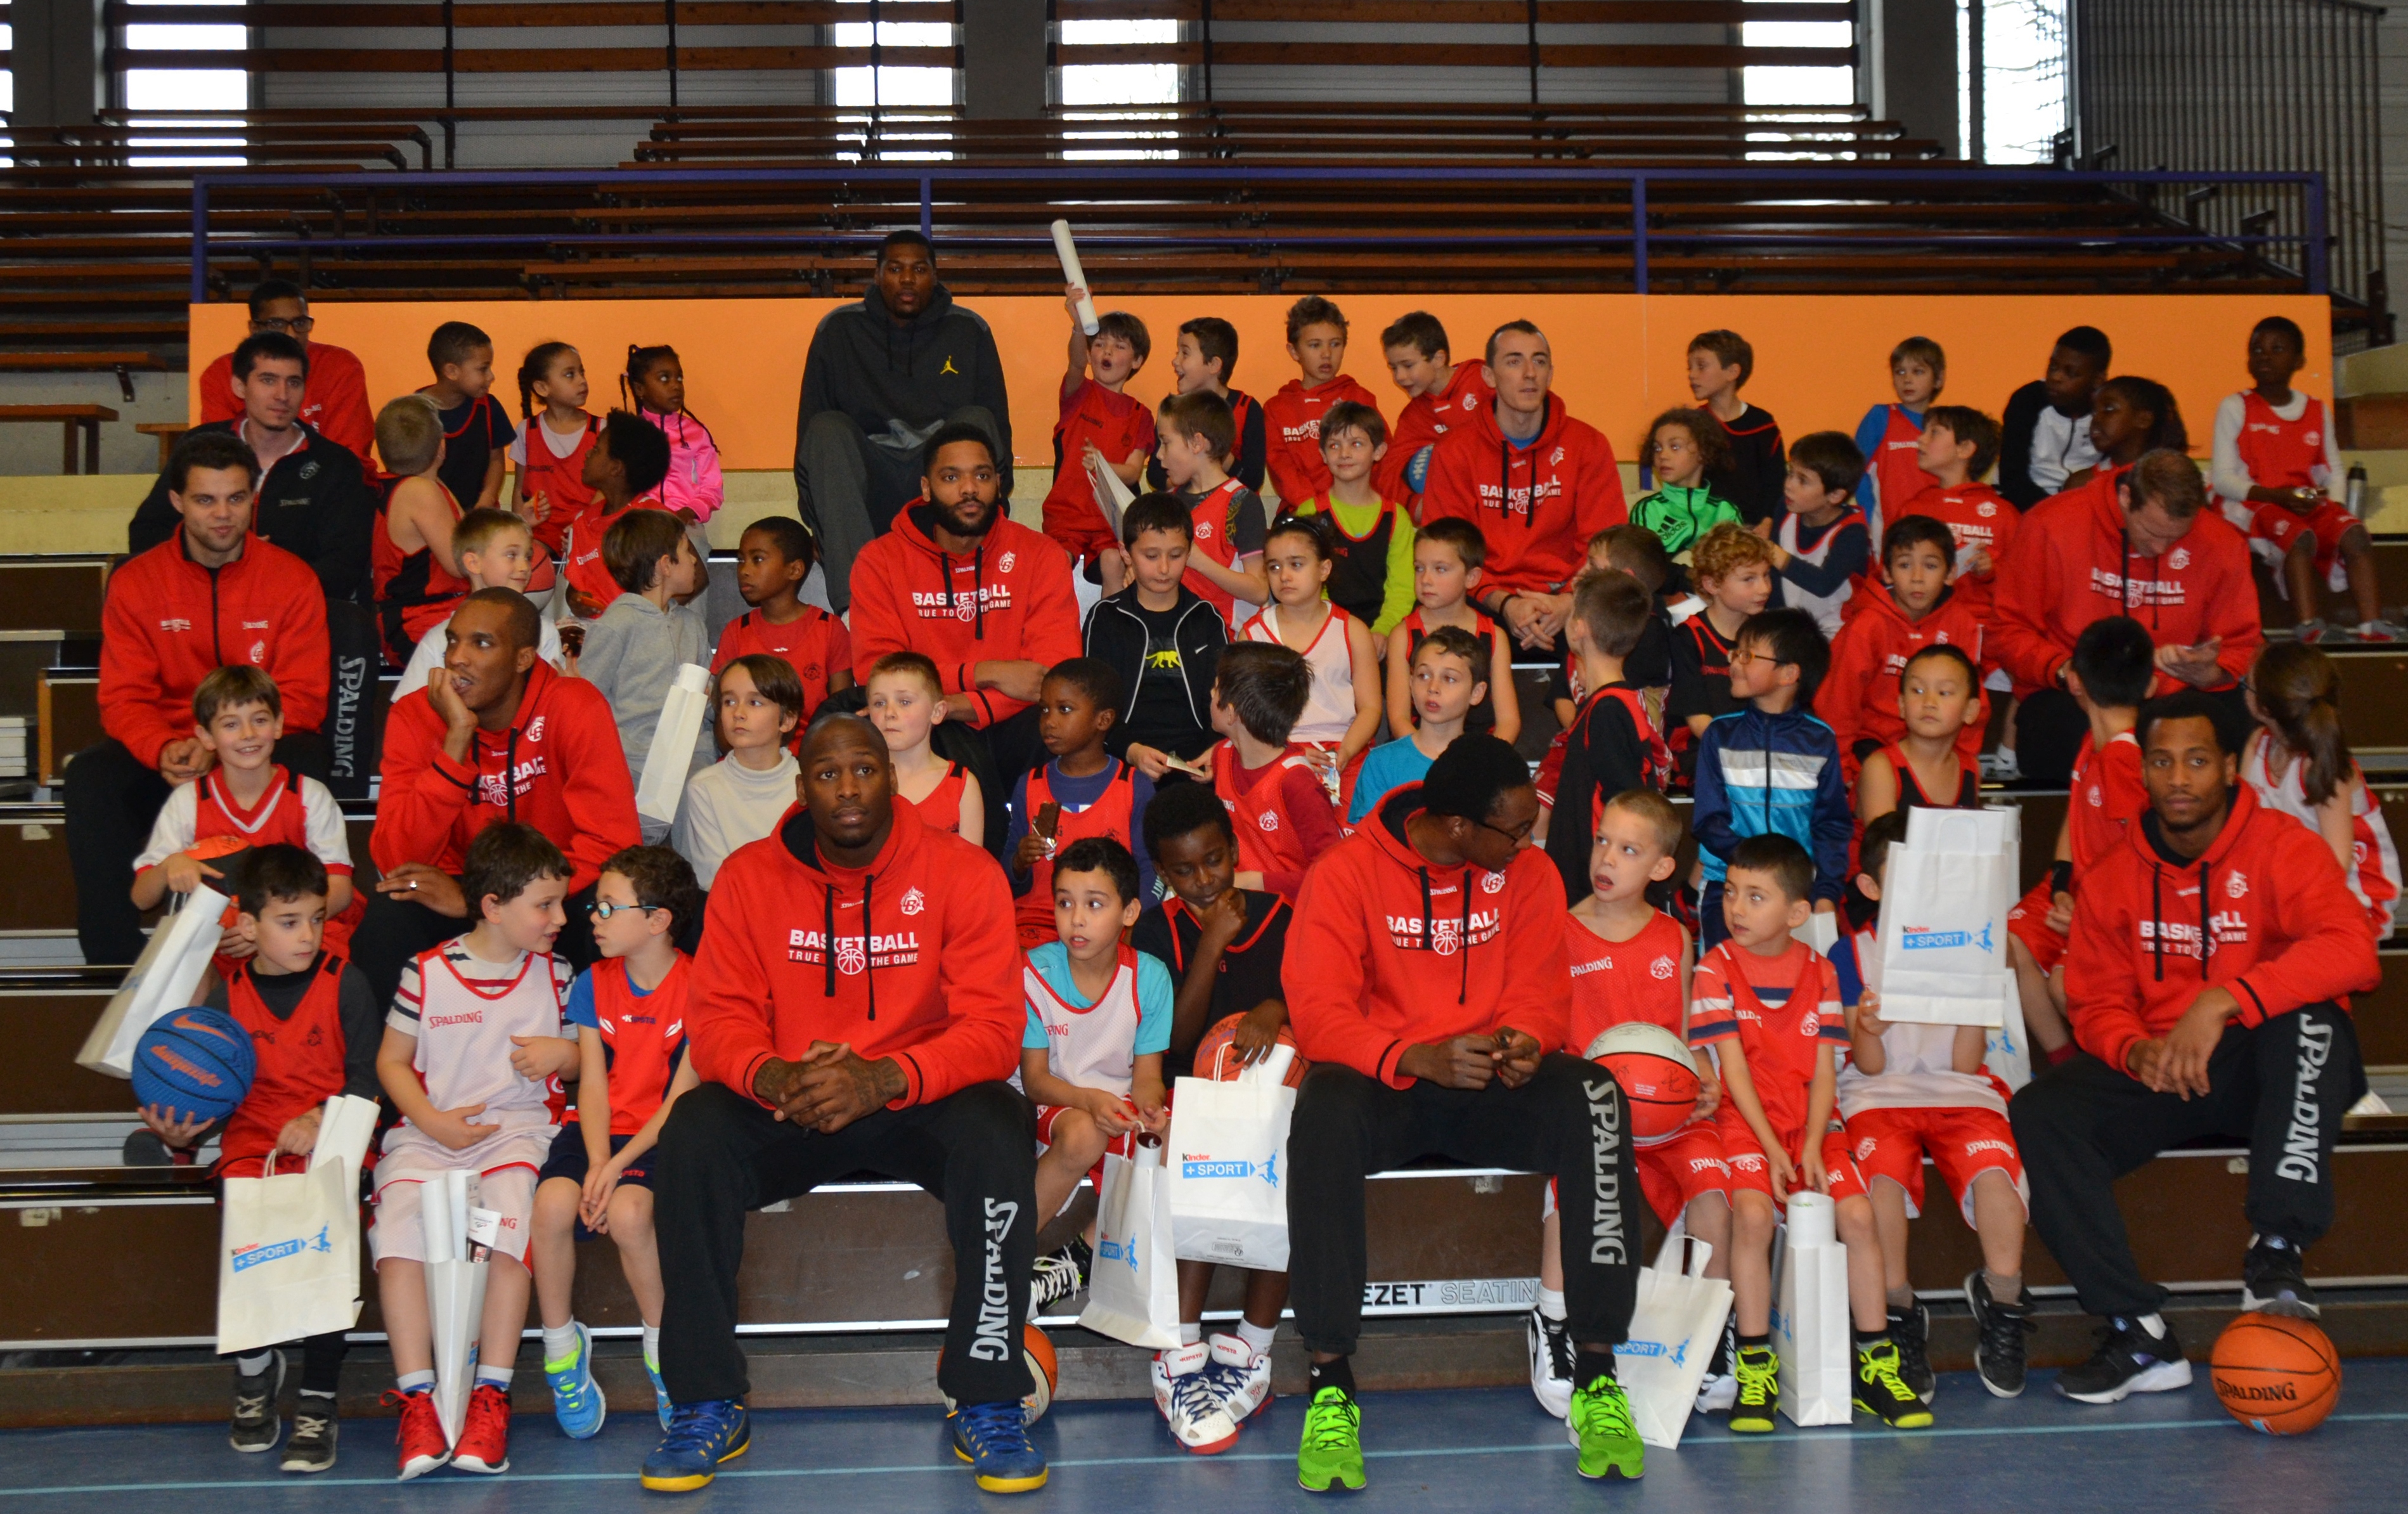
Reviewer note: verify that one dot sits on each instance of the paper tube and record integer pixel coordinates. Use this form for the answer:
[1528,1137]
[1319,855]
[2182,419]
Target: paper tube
[1072,273]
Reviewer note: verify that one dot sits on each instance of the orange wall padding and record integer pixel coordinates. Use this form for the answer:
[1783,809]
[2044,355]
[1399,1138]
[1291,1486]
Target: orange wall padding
[1821,360]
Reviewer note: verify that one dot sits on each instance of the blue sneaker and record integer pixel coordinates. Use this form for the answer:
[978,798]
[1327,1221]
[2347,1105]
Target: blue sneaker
[576,1398]
[992,1439]
[661,1403]
[701,1435]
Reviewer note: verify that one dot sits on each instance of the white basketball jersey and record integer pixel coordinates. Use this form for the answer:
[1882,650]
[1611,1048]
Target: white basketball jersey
[463,1012]
[1094,1046]
[1823,608]
[1329,710]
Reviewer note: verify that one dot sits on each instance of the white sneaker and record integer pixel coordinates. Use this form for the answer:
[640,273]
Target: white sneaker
[1183,1392]
[1718,1393]
[1999,767]
[1241,1376]
[1551,1364]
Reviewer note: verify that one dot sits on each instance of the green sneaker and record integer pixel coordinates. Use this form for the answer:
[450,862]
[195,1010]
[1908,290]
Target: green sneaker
[1601,1428]
[1332,1449]
[1758,1371]
[1882,1393]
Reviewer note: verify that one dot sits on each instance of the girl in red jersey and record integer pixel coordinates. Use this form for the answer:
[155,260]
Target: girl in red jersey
[552,491]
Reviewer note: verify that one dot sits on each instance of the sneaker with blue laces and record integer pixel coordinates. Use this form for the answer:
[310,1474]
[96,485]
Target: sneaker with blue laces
[991,1439]
[701,1435]
[661,1403]
[576,1400]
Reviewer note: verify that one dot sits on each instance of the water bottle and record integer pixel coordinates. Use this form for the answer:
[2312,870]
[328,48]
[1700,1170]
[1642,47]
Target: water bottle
[2353,493]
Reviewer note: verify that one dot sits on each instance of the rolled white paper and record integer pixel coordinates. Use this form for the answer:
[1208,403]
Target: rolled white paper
[1072,273]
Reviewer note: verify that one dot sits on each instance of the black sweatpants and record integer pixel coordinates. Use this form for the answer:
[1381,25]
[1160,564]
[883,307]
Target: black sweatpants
[722,1155]
[322,1360]
[112,800]
[394,929]
[2282,1086]
[1567,1121]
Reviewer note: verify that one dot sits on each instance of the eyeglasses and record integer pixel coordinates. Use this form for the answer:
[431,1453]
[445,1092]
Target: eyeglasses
[1519,835]
[297,326]
[604,910]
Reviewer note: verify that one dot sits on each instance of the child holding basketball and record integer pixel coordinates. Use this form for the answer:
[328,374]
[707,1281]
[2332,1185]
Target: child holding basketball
[291,983]
[629,1010]
[1285,816]
[1224,947]
[1342,714]
[906,701]
[1630,961]
[1769,1006]
[1911,1091]
[1083,790]
[472,1057]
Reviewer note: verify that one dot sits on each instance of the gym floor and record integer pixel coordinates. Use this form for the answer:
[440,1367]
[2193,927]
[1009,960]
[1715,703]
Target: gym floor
[1488,1450]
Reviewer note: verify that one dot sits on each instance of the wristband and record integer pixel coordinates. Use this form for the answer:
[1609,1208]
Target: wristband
[2061,878]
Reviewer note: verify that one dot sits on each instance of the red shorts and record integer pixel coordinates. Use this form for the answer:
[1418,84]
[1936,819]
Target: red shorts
[1963,1143]
[2279,527]
[1751,1172]
[1119,1145]
[2028,922]
[1674,1172]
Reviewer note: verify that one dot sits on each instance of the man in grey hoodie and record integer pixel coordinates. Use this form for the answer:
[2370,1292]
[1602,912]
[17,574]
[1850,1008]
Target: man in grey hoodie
[882,377]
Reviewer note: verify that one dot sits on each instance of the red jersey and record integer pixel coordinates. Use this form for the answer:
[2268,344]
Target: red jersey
[1616,982]
[814,644]
[1897,476]
[943,808]
[1264,807]
[580,551]
[643,1037]
[1981,519]
[296,811]
[1292,435]
[1118,425]
[1113,814]
[297,1062]
[2279,453]
[561,480]
[1781,1011]
[1423,420]
[414,590]
[1858,698]
[1536,505]
[1214,519]
[334,399]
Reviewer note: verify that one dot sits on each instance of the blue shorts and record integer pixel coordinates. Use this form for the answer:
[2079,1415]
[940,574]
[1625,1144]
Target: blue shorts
[568,1160]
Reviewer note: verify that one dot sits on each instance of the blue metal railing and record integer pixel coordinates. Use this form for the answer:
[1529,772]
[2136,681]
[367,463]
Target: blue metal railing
[2312,241]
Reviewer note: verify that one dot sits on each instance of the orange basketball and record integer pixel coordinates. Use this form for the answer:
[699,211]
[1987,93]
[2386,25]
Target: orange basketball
[1216,1059]
[1044,1371]
[2275,1375]
[1658,1078]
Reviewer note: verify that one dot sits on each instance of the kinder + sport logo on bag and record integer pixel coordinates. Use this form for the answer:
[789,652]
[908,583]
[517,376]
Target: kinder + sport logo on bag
[259,1254]
[1924,938]
[1207,1165]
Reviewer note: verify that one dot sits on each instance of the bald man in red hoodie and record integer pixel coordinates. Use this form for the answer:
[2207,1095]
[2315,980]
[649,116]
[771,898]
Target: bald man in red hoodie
[2207,979]
[856,1008]
[1426,980]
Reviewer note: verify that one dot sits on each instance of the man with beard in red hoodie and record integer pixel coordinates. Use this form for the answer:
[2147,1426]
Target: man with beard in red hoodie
[1426,978]
[2151,550]
[495,736]
[984,597]
[856,1008]
[2206,978]
[1538,483]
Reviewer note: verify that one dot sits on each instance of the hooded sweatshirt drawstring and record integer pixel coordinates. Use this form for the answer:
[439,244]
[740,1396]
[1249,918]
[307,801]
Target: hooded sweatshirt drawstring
[869,958]
[1429,932]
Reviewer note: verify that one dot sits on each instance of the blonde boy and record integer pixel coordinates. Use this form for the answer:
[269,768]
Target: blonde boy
[496,550]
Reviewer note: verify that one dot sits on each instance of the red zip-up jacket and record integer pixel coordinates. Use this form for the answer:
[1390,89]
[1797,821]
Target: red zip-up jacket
[1009,599]
[1423,420]
[1387,952]
[2280,928]
[169,623]
[926,964]
[560,768]
[1292,435]
[1859,694]
[2072,565]
[1537,505]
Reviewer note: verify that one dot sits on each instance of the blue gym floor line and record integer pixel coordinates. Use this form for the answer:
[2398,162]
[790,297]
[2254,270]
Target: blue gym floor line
[297,1484]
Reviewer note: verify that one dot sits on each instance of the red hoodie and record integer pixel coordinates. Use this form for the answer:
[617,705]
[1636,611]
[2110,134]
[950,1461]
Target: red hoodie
[936,985]
[1424,419]
[567,776]
[1388,952]
[169,623]
[334,399]
[2281,929]
[1859,694]
[1536,505]
[1009,599]
[1292,435]
[2072,565]
[1976,515]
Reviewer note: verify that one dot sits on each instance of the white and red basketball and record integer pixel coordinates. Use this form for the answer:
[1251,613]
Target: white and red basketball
[1658,1076]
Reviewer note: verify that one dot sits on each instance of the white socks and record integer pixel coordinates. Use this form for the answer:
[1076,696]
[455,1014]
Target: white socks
[255,1363]
[2154,1323]
[498,1377]
[415,1382]
[1550,1303]
[652,1346]
[1257,1337]
[559,1346]
[1190,1331]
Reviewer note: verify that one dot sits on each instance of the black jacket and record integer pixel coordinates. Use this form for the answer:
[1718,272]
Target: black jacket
[314,503]
[918,373]
[1115,634]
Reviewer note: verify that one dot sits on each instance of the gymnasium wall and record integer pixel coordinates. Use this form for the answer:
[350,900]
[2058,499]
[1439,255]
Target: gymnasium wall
[1821,360]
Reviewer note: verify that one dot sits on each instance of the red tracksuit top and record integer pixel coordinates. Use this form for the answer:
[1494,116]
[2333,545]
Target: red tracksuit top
[1010,598]
[1423,420]
[2280,928]
[1859,694]
[1388,952]
[169,623]
[643,1037]
[2073,564]
[1292,435]
[560,768]
[925,967]
[1118,425]
[334,400]
[1976,515]
[1536,505]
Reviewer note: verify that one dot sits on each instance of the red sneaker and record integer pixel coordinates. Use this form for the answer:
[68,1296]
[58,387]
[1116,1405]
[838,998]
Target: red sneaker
[421,1435]
[484,1443]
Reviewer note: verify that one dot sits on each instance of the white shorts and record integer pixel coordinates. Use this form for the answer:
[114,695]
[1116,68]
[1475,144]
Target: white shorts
[506,1165]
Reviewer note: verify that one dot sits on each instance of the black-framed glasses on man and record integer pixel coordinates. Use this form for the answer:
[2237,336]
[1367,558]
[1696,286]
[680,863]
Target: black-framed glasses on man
[604,908]
[1519,835]
[297,326]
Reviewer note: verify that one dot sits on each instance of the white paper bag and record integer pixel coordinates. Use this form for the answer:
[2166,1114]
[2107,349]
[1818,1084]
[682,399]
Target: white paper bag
[1821,931]
[455,1291]
[167,978]
[1228,1167]
[345,1127]
[671,757]
[1943,922]
[288,1256]
[1812,1329]
[2007,1052]
[1673,1333]
[1133,1289]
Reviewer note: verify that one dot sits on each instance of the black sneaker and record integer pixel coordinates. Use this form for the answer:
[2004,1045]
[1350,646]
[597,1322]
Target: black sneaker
[2001,1329]
[1910,1327]
[2129,1360]
[1551,1363]
[256,1426]
[2271,1282]
[1882,1393]
[1057,1276]
[311,1448]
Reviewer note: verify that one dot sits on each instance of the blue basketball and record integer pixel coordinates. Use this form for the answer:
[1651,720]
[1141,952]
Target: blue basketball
[194,1063]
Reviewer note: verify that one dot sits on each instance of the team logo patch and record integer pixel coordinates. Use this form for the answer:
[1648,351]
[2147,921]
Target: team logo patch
[1555,457]
[175,623]
[1864,1148]
[914,902]
[2237,886]
[1268,819]
[1470,402]
[258,652]
[2178,559]
[1491,883]
[1809,1025]
[1003,563]
[851,955]
[2314,439]
[1662,970]
[534,730]
[2097,801]
[310,470]
[1986,510]
[1203,530]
